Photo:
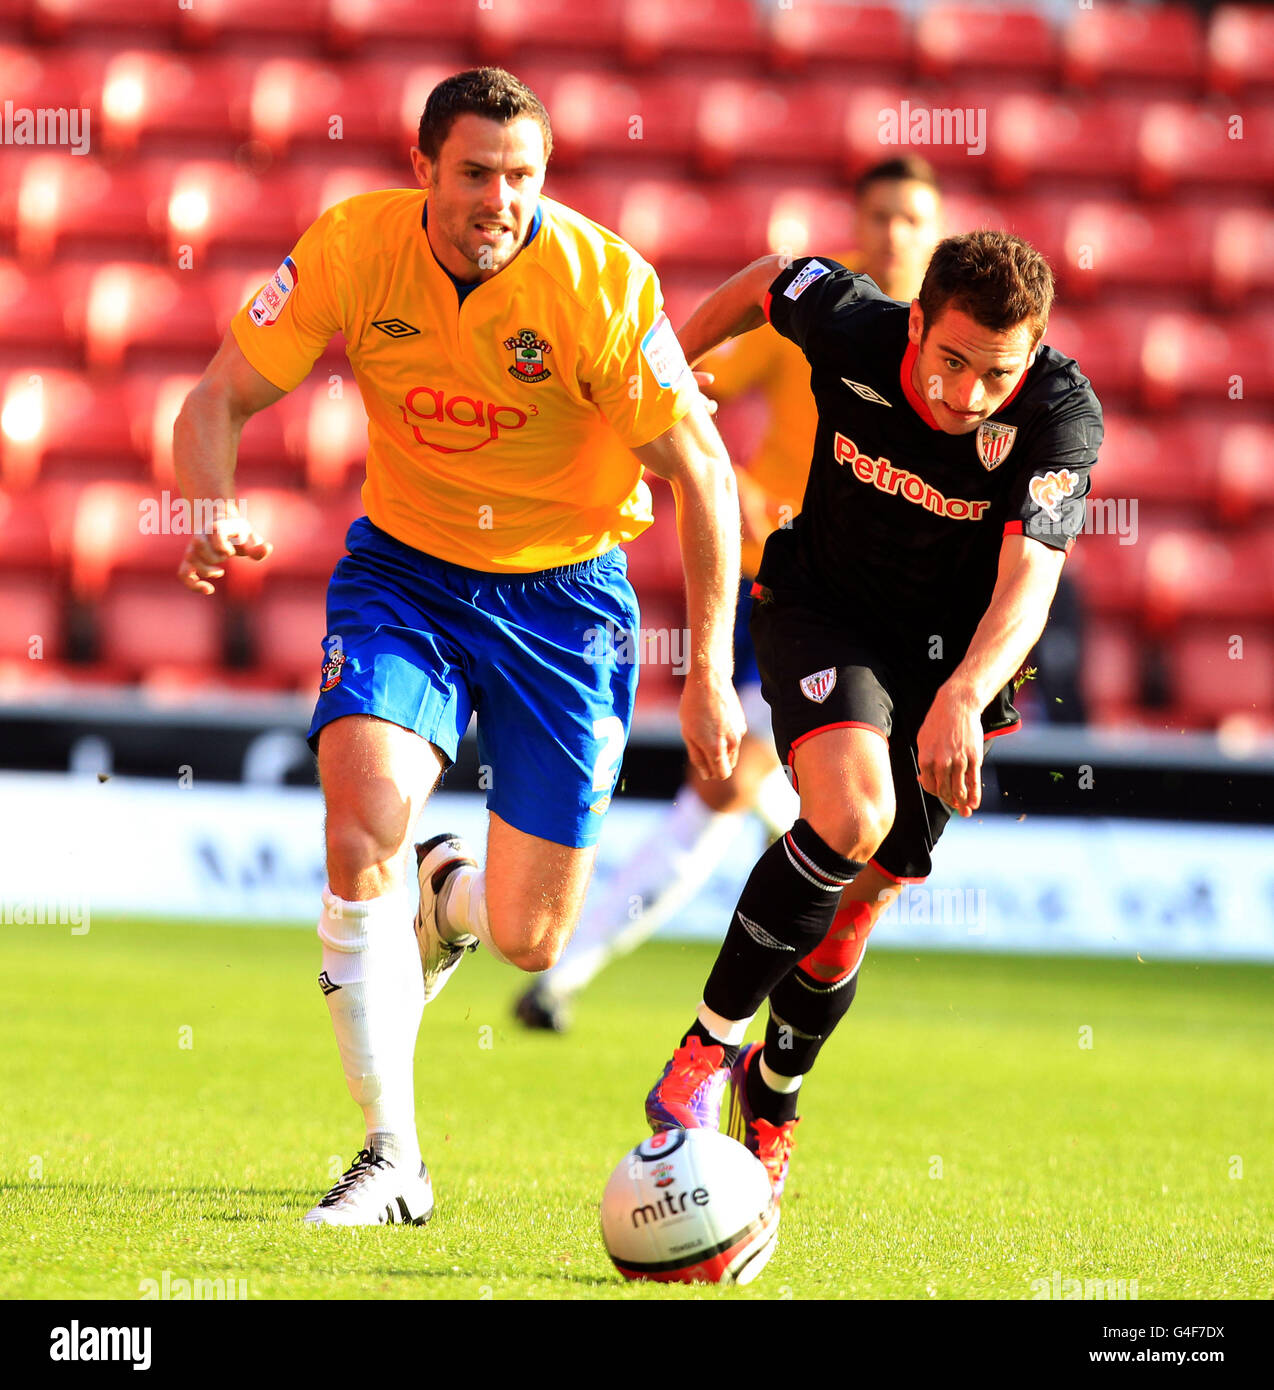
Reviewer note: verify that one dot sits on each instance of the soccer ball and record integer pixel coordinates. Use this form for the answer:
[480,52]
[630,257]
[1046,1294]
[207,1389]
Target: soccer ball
[690,1206]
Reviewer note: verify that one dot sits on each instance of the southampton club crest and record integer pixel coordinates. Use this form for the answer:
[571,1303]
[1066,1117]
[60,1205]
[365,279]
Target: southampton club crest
[528,350]
[332,670]
[994,441]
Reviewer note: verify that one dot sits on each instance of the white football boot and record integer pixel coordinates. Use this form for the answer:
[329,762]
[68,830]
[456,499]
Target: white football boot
[375,1192]
[436,861]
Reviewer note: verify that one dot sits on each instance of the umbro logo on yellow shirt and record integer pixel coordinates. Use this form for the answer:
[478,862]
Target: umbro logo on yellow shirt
[396,328]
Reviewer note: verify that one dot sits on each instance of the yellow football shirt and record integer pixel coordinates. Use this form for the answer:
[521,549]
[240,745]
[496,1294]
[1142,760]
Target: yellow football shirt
[770,364]
[500,428]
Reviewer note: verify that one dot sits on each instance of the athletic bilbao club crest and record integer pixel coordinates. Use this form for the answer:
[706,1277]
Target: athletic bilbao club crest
[332,670]
[819,686]
[528,350]
[994,442]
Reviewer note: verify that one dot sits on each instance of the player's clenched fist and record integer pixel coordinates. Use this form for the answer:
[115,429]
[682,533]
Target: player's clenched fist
[712,724]
[206,554]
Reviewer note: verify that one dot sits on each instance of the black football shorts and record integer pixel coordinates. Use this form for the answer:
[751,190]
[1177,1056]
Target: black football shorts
[816,674]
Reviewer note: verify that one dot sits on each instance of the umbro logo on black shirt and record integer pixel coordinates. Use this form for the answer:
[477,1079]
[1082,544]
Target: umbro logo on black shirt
[867,393]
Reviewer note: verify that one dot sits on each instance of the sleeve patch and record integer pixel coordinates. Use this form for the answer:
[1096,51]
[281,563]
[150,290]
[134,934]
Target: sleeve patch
[808,274]
[268,305]
[662,351]
[1048,492]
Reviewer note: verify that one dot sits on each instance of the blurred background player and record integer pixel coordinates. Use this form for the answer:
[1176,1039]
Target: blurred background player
[477,317]
[897,223]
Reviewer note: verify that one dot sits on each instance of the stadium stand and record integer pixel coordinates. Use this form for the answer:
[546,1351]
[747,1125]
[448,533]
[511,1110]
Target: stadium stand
[1133,143]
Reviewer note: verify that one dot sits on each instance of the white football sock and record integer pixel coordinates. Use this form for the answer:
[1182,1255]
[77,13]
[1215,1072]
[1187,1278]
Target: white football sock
[730,1031]
[662,874]
[376,996]
[462,906]
[784,1085]
[777,805]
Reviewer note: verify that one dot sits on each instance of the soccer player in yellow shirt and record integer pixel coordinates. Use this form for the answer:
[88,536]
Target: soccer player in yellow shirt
[897,223]
[518,372]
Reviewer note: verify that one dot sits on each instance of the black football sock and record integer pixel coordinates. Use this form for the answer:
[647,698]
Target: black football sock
[785,910]
[803,1013]
[776,1106]
[697,1030]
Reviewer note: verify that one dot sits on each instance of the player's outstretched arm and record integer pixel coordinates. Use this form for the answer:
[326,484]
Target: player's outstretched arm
[694,460]
[949,745]
[734,308]
[205,450]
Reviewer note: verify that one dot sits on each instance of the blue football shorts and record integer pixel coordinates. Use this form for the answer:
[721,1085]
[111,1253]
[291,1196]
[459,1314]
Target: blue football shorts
[539,658]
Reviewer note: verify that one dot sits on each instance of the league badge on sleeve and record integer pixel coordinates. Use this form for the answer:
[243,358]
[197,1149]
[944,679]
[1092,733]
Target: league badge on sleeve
[662,351]
[268,305]
[804,278]
[528,350]
[994,441]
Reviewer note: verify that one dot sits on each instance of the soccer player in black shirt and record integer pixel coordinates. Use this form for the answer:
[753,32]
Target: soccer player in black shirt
[947,485]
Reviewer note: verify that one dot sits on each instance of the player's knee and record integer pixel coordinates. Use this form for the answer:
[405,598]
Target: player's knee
[357,849]
[854,832]
[543,955]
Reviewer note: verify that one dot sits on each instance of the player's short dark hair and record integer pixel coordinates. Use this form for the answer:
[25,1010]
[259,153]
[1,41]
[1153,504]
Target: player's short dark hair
[996,278]
[489,92]
[905,167]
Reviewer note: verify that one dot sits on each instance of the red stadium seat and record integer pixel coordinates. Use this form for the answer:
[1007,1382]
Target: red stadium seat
[33,78]
[154,400]
[158,96]
[1241,49]
[54,21]
[124,527]
[289,622]
[505,32]
[395,24]
[616,115]
[663,638]
[1106,342]
[1182,144]
[599,198]
[1245,471]
[693,224]
[211,206]
[1198,574]
[666,31]
[213,21]
[809,221]
[325,434]
[741,122]
[1125,46]
[117,308]
[1110,669]
[32,311]
[308,536]
[69,206]
[1019,43]
[815,31]
[654,558]
[31,619]
[57,419]
[26,541]
[1242,255]
[1193,356]
[1215,677]
[1120,244]
[147,623]
[1109,575]
[1158,462]
[296,102]
[1042,137]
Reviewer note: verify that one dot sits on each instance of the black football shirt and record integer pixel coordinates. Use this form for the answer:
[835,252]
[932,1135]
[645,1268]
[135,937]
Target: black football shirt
[900,529]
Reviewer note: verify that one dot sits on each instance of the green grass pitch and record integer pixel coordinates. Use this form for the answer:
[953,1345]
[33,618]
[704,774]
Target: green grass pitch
[173,1102]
